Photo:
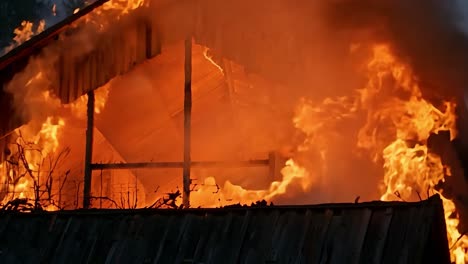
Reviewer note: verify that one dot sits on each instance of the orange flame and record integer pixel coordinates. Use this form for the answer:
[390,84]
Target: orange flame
[24,33]
[124,6]
[408,165]
[78,107]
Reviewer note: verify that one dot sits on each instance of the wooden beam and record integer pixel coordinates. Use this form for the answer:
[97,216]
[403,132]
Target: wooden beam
[89,151]
[187,121]
[180,165]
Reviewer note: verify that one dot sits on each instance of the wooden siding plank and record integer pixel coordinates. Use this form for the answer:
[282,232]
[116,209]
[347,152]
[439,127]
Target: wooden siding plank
[121,55]
[239,240]
[4,222]
[224,252]
[98,73]
[65,85]
[141,41]
[349,240]
[169,244]
[208,235]
[156,38]
[418,235]
[111,57]
[327,246]
[80,77]
[189,240]
[105,243]
[216,247]
[153,231]
[315,236]
[261,228]
[401,221]
[377,232]
[51,238]
[94,71]
[213,238]
[306,224]
[286,238]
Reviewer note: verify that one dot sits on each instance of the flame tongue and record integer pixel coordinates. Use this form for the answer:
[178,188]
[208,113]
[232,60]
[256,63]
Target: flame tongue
[25,32]
[398,125]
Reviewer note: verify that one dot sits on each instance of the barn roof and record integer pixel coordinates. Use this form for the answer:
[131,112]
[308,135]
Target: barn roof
[375,232]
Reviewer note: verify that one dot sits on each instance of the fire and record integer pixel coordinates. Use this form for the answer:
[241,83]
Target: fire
[39,141]
[25,32]
[78,107]
[292,173]
[36,150]
[398,125]
[124,6]
[209,58]
[30,151]
[409,167]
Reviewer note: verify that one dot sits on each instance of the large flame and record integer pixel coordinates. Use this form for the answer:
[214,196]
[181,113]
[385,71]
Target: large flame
[29,168]
[391,98]
[398,124]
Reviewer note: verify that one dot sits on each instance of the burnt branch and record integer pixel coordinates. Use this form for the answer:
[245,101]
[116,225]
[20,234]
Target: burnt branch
[105,198]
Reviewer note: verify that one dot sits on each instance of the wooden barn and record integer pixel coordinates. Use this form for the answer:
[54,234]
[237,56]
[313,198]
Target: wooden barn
[225,60]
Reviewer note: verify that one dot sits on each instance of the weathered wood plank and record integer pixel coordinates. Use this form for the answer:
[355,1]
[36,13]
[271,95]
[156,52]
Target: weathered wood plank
[315,236]
[213,238]
[286,238]
[418,235]
[376,236]
[261,228]
[190,239]
[333,230]
[169,246]
[397,233]
[349,240]
[224,252]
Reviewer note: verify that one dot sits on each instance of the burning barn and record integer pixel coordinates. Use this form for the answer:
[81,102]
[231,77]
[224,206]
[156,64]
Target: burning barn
[203,103]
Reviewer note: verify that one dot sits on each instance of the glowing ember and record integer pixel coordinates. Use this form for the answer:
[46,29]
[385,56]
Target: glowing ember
[209,58]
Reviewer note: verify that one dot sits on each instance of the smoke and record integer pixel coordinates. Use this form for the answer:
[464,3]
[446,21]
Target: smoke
[428,34]
[463,7]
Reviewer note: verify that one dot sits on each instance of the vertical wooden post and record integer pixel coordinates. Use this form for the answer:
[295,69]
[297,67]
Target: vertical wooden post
[187,121]
[89,151]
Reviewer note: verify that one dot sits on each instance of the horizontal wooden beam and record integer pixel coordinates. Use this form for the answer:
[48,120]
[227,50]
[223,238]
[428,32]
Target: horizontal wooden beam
[180,165]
